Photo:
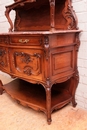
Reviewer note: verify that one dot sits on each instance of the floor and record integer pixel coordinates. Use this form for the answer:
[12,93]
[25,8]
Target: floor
[14,116]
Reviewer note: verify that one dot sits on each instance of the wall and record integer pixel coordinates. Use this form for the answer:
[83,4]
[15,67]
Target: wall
[80,7]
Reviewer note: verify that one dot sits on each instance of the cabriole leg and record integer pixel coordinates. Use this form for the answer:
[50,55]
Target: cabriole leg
[73,85]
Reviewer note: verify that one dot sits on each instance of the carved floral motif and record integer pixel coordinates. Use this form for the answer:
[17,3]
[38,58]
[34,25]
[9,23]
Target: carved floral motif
[30,63]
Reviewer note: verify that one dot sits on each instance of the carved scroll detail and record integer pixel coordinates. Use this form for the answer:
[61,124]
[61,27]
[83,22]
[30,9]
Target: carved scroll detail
[69,15]
[30,63]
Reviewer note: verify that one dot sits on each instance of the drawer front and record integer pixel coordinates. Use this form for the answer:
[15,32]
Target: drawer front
[60,40]
[4,40]
[26,40]
[4,59]
[27,63]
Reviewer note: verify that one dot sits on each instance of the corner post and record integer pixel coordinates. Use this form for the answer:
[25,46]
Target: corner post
[52,14]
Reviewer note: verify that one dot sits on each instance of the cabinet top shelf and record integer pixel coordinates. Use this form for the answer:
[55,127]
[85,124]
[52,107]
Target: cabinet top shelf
[38,15]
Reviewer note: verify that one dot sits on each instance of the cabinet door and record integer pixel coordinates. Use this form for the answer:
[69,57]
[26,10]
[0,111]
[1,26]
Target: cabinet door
[27,63]
[4,59]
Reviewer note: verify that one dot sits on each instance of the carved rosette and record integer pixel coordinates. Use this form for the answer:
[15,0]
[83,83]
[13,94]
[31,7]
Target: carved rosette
[3,60]
[69,15]
[30,64]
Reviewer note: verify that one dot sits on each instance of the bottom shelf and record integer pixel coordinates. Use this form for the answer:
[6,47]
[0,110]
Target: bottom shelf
[34,96]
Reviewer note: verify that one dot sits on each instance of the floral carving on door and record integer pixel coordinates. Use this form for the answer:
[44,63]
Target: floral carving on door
[28,64]
[3,58]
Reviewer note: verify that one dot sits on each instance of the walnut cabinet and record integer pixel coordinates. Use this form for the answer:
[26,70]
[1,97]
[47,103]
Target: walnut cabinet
[40,53]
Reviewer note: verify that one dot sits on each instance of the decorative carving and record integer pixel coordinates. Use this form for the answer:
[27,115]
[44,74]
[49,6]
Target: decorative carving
[31,63]
[48,81]
[69,15]
[26,57]
[13,6]
[3,60]
[46,46]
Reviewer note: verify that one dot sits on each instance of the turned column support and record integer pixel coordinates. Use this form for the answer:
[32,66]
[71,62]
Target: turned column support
[52,14]
[1,88]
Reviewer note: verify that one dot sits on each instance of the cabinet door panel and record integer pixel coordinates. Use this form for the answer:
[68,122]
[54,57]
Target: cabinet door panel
[63,62]
[4,59]
[27,63]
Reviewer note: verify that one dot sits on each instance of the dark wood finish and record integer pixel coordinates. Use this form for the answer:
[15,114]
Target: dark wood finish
[40,51]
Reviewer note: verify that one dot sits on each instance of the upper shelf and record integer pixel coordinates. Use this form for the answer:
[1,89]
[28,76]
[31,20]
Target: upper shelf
[37,15]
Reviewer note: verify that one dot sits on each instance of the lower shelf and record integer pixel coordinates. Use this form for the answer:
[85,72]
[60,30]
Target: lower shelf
[34,96]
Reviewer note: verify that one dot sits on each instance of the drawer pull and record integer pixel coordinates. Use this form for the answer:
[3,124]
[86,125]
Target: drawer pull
[23,41]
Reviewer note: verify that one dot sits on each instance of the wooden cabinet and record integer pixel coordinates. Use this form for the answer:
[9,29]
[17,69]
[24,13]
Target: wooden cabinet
[40,52]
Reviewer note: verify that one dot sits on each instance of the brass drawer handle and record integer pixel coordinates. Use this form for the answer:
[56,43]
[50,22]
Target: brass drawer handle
[23,41]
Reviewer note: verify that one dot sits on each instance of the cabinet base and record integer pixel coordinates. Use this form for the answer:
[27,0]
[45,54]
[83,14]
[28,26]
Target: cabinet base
[34,96]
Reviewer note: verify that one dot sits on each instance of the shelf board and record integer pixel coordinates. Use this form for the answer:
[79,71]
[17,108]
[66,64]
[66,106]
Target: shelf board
[34,96]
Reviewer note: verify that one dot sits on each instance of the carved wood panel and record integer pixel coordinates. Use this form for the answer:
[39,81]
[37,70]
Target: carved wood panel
[4,60]
[26,63]
[63,62]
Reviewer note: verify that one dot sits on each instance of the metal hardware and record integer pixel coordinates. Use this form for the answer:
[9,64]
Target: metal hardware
[23,41]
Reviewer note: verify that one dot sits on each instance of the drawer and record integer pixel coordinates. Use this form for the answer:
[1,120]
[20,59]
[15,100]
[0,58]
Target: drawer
[60,40]
[4,40]
[26,40]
